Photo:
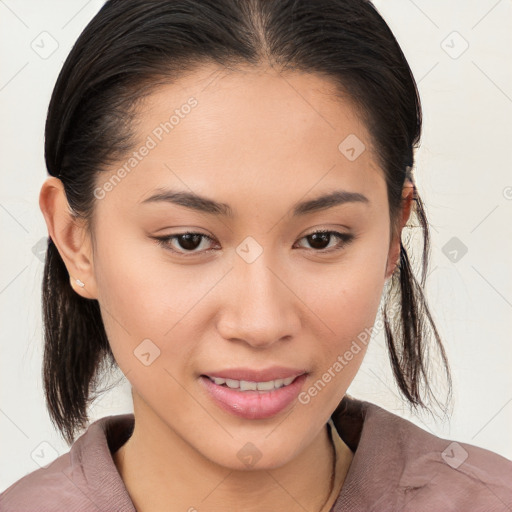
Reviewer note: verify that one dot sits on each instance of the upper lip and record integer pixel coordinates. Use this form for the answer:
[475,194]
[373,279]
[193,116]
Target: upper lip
[252,375]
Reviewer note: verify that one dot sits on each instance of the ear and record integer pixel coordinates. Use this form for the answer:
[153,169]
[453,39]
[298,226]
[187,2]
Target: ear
[405,211]
[70,236]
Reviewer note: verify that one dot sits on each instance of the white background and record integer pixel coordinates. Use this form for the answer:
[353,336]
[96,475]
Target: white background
[463,171]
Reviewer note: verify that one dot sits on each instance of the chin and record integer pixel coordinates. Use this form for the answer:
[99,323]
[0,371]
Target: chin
[252,455]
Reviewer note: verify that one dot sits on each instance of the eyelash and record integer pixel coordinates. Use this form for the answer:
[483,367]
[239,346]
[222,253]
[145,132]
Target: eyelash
[164,241]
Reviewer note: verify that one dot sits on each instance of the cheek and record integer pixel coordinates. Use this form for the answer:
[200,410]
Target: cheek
[128,292]
[347,294]
[345,299]
[143,296]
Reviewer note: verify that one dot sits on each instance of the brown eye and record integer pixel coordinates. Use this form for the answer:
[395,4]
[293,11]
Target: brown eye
[189,241]
[320,240]
[184,242]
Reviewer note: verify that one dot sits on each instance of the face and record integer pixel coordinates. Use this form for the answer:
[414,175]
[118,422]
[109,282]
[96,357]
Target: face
[253,295]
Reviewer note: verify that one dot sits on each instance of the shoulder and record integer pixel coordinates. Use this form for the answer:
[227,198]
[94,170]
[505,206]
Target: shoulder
[407,468]
[451,474]
[40,488]
[84,478]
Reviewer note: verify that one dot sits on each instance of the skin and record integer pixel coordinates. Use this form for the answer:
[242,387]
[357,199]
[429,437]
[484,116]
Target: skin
[260,142]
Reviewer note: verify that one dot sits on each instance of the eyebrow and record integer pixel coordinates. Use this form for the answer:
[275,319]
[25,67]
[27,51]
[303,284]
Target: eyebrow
[205,205]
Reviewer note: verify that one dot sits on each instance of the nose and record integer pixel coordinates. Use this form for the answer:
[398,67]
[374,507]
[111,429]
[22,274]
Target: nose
[261,308]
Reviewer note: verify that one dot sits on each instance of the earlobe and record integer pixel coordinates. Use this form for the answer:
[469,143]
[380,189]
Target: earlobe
[408,192]
[70,235]
[392,260]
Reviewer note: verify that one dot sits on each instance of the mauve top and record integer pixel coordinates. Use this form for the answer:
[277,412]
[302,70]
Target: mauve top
[396,466]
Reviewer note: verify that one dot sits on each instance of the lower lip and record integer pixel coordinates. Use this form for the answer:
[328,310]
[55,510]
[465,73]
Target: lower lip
[254,405]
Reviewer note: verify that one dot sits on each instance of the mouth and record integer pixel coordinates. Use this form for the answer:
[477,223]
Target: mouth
[253,399]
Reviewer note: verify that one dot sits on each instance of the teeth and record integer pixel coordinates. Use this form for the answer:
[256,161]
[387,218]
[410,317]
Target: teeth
[230,383]
[264,386]
[279,383]
[246,385]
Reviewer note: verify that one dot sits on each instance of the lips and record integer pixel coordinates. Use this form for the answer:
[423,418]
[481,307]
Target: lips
[254,394]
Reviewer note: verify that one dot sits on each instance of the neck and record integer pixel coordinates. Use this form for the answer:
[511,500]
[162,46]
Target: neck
[161,471]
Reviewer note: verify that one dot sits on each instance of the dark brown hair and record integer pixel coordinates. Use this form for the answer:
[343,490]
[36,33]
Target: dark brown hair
[129,48]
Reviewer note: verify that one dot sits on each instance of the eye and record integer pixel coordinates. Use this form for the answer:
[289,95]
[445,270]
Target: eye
[187,242]
[318,239]
[190,242]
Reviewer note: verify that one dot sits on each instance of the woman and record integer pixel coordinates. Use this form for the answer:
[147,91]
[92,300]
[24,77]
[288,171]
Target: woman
[229,184]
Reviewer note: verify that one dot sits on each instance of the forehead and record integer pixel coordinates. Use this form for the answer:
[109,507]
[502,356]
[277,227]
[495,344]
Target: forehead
[254,133]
